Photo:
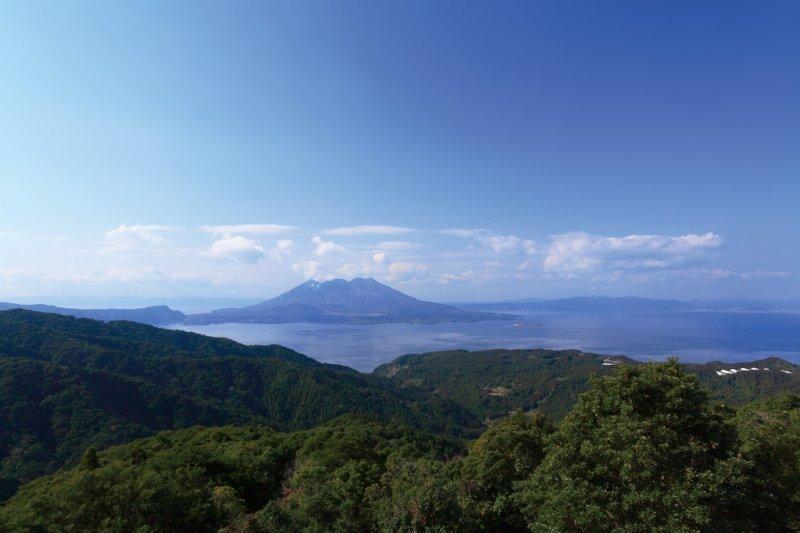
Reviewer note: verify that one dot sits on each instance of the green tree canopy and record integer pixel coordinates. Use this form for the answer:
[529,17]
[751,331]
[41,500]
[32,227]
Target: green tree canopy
[770,435]
[504,455]
[642,450]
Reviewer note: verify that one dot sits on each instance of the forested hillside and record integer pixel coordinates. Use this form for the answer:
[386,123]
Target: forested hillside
[70,385]
[492,383]
[66,384]
[643,450]
[752,380]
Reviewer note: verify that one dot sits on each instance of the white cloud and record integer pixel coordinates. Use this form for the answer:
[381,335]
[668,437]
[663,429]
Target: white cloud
[464,233]
[462,263]
[324,247]
[766,274]
[367,230]
[446,278]
[498,243]
[284,245]
[123,237]
[236,248]
[408,271]
[582,252]
[309,269]
[248,229]
[352,270]
[396,245]
[283,248]
[720,273]
[508,243]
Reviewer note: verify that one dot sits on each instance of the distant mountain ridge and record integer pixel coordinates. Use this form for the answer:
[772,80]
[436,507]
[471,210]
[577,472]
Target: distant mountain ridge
[366,301]
[633,303]
[156,315]
[358,301]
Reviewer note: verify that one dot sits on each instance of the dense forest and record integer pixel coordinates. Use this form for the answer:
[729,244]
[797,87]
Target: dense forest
[492,383]
[644,449]
[121,426]
[68,383]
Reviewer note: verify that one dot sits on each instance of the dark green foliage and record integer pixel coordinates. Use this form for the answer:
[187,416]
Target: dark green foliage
[643,450]
[89,460]
[67,384]
[339,462]
[500,458]
[242,477]
[416,495]
[745,387]
[111,345]
[191,480]
[770,435]
[494,383]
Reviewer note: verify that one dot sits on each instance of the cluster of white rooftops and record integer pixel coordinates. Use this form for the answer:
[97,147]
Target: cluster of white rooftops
[745,369]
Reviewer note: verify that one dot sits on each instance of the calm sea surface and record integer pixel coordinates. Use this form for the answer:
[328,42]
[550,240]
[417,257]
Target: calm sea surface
[692,336]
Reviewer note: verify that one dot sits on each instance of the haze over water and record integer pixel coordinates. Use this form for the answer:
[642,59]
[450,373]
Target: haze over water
[692,336]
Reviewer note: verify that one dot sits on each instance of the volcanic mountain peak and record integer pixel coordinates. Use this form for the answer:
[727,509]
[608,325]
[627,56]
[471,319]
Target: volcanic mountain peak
[360,300]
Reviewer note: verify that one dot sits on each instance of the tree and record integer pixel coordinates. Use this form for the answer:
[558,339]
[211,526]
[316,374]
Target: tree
[642,450]
[505,454]
[770,437]
[415,495]
[89,460]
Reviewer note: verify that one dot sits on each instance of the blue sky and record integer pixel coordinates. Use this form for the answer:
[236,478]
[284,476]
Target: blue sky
[235,149]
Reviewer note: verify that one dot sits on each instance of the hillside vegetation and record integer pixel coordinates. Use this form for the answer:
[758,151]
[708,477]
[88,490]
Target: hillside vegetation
[643,449]
[67,383]
[493,383]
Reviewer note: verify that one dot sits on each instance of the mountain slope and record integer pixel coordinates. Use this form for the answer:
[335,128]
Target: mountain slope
[361,300]
[493,383]
[645,439]
[772,377]
[156,315]
[68,383]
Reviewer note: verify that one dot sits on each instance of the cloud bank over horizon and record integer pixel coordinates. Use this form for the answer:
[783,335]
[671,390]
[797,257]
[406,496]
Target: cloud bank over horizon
[450,264]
